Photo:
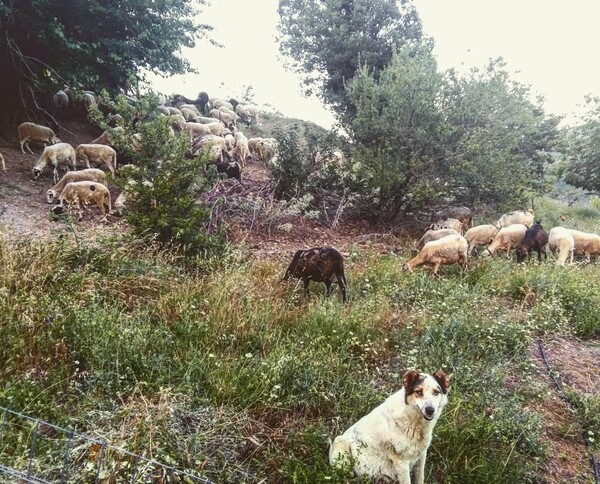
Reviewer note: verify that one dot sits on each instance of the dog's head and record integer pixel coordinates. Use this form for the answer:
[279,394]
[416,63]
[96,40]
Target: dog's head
[429,393]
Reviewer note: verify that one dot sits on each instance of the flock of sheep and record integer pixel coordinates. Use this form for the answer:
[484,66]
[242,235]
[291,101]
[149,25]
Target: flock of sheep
[216,136]
[446,242]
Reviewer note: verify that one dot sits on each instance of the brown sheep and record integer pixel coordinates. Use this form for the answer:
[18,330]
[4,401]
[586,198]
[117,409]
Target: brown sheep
[319,264]
[448,250]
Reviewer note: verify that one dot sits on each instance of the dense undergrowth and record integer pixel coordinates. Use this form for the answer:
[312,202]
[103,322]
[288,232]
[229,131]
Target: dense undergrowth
[228,371]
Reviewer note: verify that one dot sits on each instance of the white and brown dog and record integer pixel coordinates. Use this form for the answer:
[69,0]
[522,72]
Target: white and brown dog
[395,436]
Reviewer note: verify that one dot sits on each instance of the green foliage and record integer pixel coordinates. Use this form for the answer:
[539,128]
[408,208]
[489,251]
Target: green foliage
[423,139]
[49,44]
[329,40]
[582,150]
[164,184]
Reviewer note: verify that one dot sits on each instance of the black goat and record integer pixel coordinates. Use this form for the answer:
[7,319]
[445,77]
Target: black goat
[319,264]
[232,170]
[535,240]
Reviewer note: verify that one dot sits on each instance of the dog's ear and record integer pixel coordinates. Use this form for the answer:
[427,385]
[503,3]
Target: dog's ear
[443,380]
[409,378]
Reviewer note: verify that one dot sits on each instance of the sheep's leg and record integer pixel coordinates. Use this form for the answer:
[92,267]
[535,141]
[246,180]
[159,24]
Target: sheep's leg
[306,282]
[27,146]
[56,174]
[342,288]
[436,268]
[328,288]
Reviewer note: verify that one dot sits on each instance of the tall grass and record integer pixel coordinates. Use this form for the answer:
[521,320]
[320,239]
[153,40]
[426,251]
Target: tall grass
[235,373]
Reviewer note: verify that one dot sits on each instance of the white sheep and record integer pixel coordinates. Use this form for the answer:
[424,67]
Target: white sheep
[240,152]
[218,128]
[97,154]
[586,244]
[59,154]
[188,114]
[204,120]
[517,217]
[508,238]
[229,141]
[561,244]
[89,174]
[434,235]
[35,132]
[197,129]
[253,146]
[61,100]
[107,137]
[480,235]
[163,110]
[212,146]
[82,193]
[248,113]
[219,103]
[173,111]
[449,223]
[445,251]
[88,99]
[267,149]
[226,118]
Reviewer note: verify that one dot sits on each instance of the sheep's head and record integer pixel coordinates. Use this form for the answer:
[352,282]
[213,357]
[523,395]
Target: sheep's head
[521,253]
[35,173]
[51,196]
[407,268]
[57,209]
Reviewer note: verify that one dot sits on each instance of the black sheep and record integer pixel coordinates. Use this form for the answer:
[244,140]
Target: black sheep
[535,240]
[232,170]
[319,264]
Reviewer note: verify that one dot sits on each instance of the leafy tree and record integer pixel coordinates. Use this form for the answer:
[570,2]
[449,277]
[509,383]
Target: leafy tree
[90,44]
[328,40]
[582,149]
[423,138]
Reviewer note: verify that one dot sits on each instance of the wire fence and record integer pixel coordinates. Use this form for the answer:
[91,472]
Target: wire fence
[35,451]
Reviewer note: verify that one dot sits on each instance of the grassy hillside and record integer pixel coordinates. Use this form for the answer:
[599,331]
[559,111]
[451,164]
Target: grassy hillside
[228,371]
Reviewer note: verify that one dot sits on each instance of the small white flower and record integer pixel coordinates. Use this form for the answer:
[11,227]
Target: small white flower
[248,355]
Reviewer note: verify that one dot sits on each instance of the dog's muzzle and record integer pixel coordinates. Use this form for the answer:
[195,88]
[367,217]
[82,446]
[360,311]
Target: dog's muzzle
[428,413]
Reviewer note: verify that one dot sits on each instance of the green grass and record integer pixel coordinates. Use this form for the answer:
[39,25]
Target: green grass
[231,371]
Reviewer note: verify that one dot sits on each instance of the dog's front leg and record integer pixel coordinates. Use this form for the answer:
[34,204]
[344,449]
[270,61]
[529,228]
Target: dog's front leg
[402,470]
[419,468]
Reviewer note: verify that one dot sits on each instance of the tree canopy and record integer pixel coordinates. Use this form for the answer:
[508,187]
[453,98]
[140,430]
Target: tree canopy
[327,40]
[88,44]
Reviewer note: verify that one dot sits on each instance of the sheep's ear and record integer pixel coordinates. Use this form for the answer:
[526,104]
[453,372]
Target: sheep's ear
[409,378]
[443,380]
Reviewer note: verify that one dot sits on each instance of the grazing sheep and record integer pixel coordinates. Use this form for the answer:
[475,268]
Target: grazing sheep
[198,129]
[188,114]
[448,250]
[219,103]
[3,164]
[516,217]
[82,193]
[97,154]
[89,174]
[120,204]
[535,240]
[253,146]
[61,100]
[213,148]
[463,214]
[434,235]
[450,223]
[173,111]
[190,107]
[226,118]
[319,264]
[480,235]
[231,169]
[204,120]
[88,99]
[266,149]
[229,141]
[34,132]
[218,128]
[240,152]
[163,110]
[248,113]
[586,244]
[55,155]
[508,238]
[107,138]
[562,245]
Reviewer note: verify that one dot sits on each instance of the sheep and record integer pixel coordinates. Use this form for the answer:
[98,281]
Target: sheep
[3,164]
[508,238]
[319,264]
[535,240]
[197,129]
[463,214]
[219,103]
[226,118]
[335,157]
[218,129]
[61,100]
[89,174]
[586,244]
[88,99]
[434,235]
[83,193]
[562,245]
[34,132]
[173,111]
[239,135]
[516,217]
[190,107]
[204,120]
[240,152]
[120,204]
[450,223]
[248,113]
[213,147]
[266,149]
[107,137]
[231,169]
[480,235]
[163,110]
[98,154]
[229,141]
[445,251]
[253,146]
[55,155]
[188,114]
